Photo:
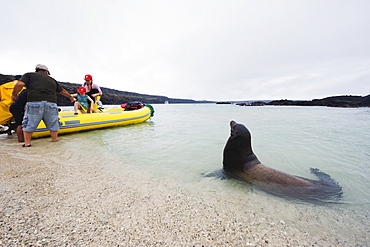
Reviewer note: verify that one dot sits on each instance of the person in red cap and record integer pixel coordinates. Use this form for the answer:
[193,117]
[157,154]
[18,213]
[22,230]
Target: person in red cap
[92,89]
[84,102]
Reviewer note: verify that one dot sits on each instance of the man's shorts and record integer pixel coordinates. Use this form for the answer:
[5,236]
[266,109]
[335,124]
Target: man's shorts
[37,111]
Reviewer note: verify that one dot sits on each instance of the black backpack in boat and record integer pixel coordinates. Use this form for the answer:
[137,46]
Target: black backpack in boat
[129,106]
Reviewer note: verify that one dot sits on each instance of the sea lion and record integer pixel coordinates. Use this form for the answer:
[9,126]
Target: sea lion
[239,160]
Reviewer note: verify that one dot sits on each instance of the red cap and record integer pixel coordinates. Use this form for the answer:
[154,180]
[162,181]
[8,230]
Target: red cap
[88,77]
[82,90]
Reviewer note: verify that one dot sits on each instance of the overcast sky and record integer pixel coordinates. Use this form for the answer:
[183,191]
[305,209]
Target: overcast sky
[204,49]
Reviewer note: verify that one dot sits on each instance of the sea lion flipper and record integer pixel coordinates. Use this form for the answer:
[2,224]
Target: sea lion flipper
[219,174]
[323,176]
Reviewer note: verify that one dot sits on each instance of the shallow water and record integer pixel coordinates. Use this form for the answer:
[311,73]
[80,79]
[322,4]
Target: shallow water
[183,142]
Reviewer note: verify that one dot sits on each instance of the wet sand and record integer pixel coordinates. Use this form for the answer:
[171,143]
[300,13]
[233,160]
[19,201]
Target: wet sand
[52,198]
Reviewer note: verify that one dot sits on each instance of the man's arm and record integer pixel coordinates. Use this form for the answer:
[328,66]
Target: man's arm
[68,95]
[17,88]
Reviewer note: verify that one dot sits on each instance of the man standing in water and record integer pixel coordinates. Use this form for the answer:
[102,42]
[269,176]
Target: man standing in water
[41,102]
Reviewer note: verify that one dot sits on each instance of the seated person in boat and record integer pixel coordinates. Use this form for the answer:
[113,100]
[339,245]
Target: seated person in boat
[93,90]
[84,102]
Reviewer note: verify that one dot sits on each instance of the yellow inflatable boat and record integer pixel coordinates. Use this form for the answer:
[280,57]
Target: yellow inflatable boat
[70,123]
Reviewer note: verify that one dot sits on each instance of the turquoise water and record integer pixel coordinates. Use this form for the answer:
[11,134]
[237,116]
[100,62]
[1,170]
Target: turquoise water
[186,141]
[183,142]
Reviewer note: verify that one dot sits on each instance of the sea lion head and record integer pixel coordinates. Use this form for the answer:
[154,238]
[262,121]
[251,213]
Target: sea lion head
[238,154]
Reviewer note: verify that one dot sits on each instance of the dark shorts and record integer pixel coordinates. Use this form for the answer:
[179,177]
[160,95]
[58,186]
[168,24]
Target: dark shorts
[17,114]
[92,91]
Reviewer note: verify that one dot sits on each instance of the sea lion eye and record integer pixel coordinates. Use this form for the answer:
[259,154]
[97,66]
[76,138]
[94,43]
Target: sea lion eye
[232,132]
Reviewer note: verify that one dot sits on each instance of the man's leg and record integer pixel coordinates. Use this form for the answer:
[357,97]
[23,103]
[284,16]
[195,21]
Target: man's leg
[51,120]
[27,138]
[19,131]
[54,136]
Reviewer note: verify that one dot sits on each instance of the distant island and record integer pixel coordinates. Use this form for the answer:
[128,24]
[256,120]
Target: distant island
[112,96]
[333,101]
[116,97]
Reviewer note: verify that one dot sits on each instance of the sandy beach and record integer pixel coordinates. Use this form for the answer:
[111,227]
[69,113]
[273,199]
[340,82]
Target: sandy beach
[51,198]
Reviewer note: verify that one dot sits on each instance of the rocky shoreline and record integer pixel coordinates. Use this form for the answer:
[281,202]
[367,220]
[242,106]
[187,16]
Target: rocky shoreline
[334,101]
